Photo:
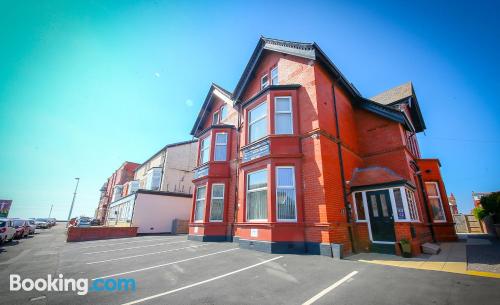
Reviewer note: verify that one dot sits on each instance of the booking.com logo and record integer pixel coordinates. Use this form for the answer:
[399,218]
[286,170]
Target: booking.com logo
[81,286]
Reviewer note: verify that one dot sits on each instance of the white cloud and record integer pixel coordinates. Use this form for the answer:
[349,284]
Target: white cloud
[189,103]
[157,74]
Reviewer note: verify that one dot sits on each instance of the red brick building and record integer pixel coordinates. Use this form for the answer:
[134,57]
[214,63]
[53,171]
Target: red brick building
[296,159]
[114,186]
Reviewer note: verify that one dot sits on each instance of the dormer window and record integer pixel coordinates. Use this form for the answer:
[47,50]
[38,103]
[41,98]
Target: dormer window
[264,82]
[215,120]
[274,76]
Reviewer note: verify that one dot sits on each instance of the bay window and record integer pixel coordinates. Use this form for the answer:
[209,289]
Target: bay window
[205,150]
[412,204]
[286,203]
[400,208]
[199,208]
[220,152]
[283,115]
[256,201]
[257,123]
[217,202]
[434,196]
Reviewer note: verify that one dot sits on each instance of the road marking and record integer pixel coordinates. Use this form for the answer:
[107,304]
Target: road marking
[328,289]
[163,265]
[138,247]
[139,255]
[38,298]
[200,283]
[105,241]
[128,242]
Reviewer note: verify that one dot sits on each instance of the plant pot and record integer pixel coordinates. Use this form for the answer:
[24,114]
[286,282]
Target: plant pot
[405,249]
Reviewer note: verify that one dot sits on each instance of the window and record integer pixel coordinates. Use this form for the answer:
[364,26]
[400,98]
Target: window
[205,150]
[199,207]
[153,179]
[223,112]
[435,201]
[286,204]
[412,205]
[400,208]
[257,195]
[215,118]
[257,122]
[283,115]
[274,76]
[264,82]
[220,146]
[358,203]
[217,202]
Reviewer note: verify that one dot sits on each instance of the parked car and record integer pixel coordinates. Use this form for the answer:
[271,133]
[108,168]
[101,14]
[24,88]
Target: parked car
[83,221]
[7,230]
[22,228]
[41,223]
[32,225]
[95,222]
[52,221]
[72,222]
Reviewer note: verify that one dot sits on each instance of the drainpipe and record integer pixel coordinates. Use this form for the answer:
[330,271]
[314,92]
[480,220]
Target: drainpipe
[426,201]
[237,169]
[341,162]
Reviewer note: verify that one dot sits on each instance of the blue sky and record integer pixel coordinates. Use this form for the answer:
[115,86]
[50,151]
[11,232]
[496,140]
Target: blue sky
[86,85]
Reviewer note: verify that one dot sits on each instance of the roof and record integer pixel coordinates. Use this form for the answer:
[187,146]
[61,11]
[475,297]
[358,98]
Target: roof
[204,110]
[394,94]
[374,175]
[164,148]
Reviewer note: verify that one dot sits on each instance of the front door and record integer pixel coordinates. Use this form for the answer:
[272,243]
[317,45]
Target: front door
[381,219]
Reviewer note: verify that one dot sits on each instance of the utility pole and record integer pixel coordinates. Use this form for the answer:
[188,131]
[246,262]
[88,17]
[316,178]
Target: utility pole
[50,213]
[73,202]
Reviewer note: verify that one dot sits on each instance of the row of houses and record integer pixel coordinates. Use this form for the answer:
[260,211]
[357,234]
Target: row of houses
[295,159]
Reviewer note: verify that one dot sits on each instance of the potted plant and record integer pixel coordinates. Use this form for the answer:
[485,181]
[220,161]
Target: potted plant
[405,247]
[489,208]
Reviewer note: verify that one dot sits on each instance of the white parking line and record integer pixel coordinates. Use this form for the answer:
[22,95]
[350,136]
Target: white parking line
[330,288]
[105,241]
[138,247]
[163,265]
[200,283]
[128,242]
[139,255]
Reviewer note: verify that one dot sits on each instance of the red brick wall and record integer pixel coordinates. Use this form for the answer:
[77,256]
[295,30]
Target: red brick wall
[97,233]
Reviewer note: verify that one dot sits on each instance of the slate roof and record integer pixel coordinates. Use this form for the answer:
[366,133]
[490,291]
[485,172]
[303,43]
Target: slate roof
[374,175]
[394,94]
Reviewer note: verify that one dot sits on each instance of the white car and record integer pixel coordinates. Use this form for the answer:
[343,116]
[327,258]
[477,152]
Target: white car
[32,224]
[7,230]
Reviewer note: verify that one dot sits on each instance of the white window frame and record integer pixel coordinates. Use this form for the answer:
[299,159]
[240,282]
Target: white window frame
[214,121]
[363,199]
[283,112]
[256,190]
[221,111]
[407,205]
[263,84]
[216,144]
[438,196]
[196,203]
[250,123]
[203,148]
[212,200]
[286,187]
[275,69]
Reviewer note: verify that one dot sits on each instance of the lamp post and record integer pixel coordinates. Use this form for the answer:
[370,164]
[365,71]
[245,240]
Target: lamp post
[50,213]
[73,202]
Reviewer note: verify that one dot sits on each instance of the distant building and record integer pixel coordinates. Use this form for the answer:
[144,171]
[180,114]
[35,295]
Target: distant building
[476,198]
[453,204]
[160,191]
[112,189]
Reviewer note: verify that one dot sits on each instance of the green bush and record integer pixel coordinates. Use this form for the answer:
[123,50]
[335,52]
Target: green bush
[491,203]
[479,212]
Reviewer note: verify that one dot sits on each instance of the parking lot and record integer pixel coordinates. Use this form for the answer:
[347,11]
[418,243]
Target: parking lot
[173,270]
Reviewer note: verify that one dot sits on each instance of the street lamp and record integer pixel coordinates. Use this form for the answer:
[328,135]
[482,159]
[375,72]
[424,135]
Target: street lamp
[73,202]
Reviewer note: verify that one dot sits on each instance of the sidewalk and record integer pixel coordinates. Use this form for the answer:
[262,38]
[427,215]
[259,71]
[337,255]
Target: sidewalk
[477,255]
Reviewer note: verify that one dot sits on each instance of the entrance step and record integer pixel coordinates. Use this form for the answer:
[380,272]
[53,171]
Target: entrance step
[429,248]
[383,248]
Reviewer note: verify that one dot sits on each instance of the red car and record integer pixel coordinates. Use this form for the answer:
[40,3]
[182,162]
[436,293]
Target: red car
[22,228]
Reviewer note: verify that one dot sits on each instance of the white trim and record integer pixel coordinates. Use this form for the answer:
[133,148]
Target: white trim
[203,148]
[277,76]
[356,208]
[215,145]
[283,112]
[285,187]
[212,198]
[256,190]
[438,196]
[214,122]
[263,86]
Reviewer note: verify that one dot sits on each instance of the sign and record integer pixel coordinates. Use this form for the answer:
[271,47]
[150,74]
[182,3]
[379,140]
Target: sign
[254,232]
[5,207]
